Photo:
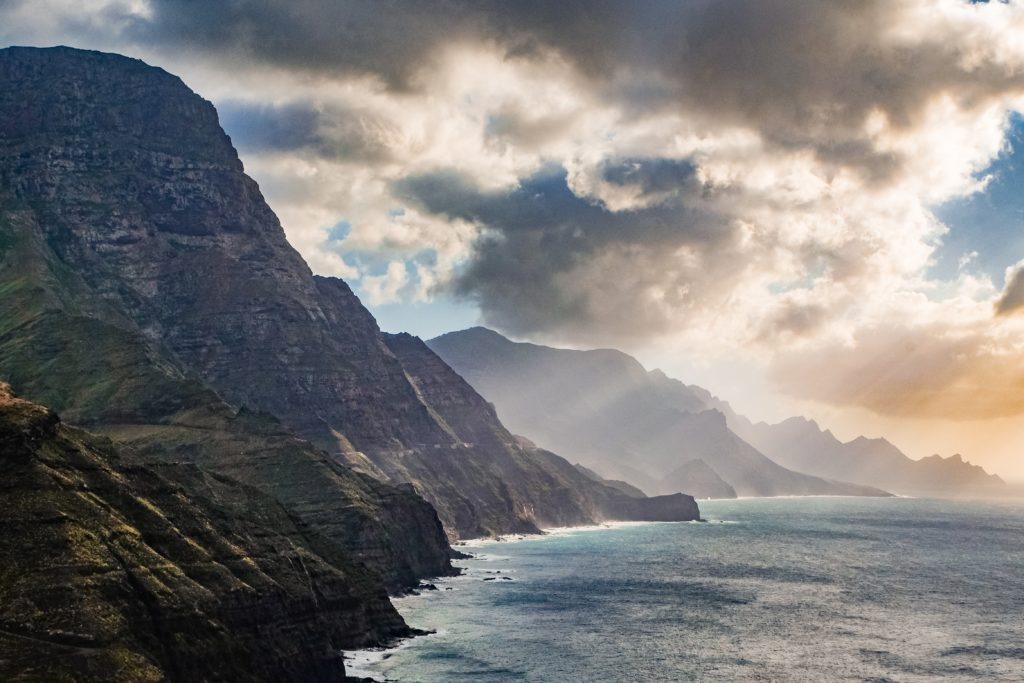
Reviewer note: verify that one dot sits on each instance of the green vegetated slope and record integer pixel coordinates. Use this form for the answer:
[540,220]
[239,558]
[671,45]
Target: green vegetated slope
[114,570]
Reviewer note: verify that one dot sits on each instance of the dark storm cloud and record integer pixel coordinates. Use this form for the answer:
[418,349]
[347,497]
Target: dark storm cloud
[804,74]
[650,176]
[331,133]
[265,127]
[1012,299]
[537,232]
[386,38]
[545,202]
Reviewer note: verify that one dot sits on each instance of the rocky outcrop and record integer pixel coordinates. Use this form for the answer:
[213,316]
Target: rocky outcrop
[604,408]
[145,235]
[669,508]
[114,570]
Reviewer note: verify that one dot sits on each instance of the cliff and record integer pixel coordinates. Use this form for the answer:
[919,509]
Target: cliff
[131,226]
[112,570]
[108,169]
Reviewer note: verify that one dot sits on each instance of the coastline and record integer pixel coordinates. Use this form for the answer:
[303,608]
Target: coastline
[556,531]
[739,567]
[359,663]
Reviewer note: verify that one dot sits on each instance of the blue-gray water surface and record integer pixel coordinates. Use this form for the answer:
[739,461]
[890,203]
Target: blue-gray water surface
[823,589]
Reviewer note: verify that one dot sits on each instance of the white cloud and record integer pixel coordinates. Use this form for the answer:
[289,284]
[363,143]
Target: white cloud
[384,288]
[820,135]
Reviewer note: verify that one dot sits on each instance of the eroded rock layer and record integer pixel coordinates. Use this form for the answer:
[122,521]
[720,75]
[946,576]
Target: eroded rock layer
[113,570]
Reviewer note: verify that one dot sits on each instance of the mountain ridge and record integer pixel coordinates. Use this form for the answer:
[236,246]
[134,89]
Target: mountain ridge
[619,419]
[781,442]
[804,444]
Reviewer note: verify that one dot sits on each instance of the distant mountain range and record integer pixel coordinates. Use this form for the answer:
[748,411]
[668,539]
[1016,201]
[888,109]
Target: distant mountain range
[801,444]
[624,422]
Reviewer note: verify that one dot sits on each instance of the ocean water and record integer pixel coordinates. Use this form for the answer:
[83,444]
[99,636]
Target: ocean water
[785,589]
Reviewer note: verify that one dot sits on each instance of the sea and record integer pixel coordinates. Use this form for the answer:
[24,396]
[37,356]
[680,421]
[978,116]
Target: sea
[771,589]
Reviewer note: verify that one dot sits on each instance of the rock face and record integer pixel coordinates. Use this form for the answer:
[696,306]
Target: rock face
[153,295]
[59,345]
[620,420]
[108,169]
[111,570]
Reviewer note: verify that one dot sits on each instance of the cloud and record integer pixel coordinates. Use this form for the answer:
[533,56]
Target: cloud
[1012,298]
[649,176]
[304,128]
[803,75]
[549,259]
[512,124]
[390,41]
[749,178]
[385,288]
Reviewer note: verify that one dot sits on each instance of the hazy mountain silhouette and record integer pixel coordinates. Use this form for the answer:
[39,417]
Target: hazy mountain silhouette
[603,408]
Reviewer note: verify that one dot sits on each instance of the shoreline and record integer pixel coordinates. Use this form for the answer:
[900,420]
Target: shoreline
[556,531]
[358,662]
[812,495]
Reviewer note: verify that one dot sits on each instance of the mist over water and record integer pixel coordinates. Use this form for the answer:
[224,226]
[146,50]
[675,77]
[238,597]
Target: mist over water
[827,589]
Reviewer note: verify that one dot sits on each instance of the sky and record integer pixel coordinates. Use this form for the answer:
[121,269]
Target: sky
[808,208]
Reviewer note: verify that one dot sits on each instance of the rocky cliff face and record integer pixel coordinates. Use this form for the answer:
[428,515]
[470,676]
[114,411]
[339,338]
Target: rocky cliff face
[100,157]
[138,190]
[140,221]
[111,570]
